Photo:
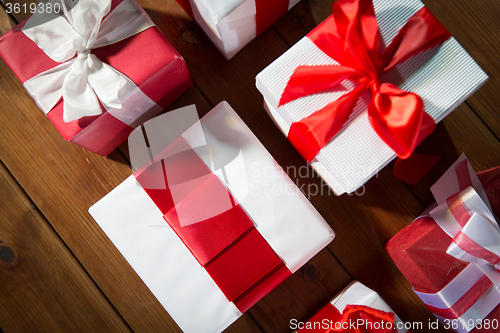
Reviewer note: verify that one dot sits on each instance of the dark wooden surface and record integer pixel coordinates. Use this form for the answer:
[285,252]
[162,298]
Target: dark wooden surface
[59,272]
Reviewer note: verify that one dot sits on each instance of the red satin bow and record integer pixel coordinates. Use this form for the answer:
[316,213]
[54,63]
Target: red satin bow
[351,37]
[354,319]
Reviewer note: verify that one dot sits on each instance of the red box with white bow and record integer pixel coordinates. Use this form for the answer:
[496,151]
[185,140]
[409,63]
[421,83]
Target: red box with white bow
[97,70]
[451,254]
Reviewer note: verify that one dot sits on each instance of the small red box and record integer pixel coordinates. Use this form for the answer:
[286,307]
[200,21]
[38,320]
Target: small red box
[419,250]
[147,58]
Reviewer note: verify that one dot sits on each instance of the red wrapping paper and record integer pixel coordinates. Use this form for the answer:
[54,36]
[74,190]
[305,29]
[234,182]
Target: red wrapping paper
[147,58]
[419,250]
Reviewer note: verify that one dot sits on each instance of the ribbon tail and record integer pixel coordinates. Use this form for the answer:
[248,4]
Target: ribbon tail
[422,32]
[312,133]
[46,87]
[111,87]
[127,19]
[399,119]
[356,25]
[479,238]
[79,97]
[85,18]
[308,80]
[414,168]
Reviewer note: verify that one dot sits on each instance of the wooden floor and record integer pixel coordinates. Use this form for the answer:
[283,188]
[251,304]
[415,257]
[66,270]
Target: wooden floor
[59,272]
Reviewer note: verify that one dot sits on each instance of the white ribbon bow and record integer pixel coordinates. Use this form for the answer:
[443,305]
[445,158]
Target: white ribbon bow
[84,80]
[476,238]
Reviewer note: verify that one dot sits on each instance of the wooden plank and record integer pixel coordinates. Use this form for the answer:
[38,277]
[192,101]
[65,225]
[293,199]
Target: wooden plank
[301,19]
[42,286]
[449,141]
[476,26]
[6,21]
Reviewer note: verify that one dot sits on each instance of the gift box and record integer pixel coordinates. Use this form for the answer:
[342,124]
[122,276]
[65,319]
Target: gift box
[367,85]
[232,24]
[356,309]
[212,220]
[450,254]
[97,70]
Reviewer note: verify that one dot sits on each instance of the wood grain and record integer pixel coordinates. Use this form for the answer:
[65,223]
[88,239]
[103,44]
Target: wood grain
[7,22]
[39,275]
[476,26]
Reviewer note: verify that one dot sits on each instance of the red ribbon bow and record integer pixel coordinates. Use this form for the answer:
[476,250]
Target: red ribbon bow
[354,319]
[351,37]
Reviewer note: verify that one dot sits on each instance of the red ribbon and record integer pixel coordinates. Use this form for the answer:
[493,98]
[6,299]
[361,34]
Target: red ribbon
[351,37]
[227,244]
[354,319]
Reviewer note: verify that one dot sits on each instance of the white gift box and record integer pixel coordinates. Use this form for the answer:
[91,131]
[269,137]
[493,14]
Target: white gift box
[358,294]
[282,215]
[443,77]
[230,24]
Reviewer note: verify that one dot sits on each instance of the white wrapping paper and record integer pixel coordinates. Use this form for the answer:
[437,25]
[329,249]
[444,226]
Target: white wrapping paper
[443,77]
[284,217]
[358,294]
[230,25]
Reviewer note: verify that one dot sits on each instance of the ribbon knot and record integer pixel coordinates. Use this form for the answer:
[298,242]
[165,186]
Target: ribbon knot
[351,38]
[84,54]
[82,80]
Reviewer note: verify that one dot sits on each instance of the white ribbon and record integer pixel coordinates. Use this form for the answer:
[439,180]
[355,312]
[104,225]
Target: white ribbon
[482,229]
[454,291]
[84,80]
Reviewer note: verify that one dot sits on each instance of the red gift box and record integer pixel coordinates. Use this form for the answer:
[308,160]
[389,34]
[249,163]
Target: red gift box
[146,58]
[420,253]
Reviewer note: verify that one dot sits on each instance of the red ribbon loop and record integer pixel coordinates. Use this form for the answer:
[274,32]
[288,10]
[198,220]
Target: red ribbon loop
[354,319]
[351,37]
